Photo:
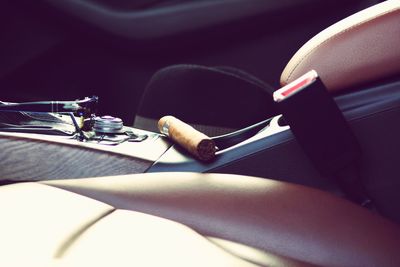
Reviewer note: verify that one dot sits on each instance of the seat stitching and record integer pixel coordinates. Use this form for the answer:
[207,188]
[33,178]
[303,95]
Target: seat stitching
[74,237]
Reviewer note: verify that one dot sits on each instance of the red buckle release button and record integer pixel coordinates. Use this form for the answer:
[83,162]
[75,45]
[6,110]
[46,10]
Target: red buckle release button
[295,86]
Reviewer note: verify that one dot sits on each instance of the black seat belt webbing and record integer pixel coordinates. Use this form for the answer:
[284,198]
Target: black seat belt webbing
[323,133]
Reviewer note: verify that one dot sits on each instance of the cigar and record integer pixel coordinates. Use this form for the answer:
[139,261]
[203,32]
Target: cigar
[198,144]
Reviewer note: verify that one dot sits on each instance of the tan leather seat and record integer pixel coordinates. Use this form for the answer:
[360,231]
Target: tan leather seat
[183,219]
[358,49]
[125,221]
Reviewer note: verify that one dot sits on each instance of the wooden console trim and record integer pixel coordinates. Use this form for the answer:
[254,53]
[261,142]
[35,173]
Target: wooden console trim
[32,157]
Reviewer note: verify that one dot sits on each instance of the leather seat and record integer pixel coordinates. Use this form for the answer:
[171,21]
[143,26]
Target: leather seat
[188,219]
[357,50]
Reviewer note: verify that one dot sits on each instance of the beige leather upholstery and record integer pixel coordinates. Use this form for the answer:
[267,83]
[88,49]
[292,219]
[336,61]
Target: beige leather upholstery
[272,223]
[37,221]
[284,219]
[361,48]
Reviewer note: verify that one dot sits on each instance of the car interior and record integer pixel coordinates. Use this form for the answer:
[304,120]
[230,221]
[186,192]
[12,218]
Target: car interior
[200,133]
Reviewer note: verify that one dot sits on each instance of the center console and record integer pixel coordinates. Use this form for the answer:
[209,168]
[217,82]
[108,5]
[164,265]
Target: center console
[267,149]
[31,156]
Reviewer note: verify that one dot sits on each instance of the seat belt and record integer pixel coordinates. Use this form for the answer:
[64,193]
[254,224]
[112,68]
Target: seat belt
[323,133]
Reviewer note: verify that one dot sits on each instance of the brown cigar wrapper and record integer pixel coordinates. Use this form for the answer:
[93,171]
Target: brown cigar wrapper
[198,144]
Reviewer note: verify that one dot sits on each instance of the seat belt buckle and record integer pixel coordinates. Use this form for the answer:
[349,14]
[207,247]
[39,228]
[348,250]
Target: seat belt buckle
[317,123]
